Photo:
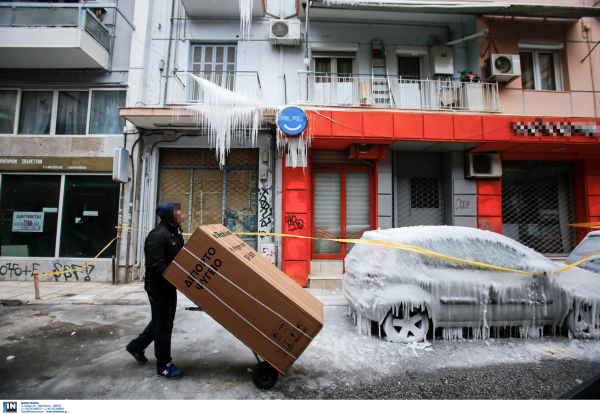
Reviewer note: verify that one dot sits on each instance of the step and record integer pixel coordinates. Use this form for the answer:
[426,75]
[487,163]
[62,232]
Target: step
[326,267]
[324,281]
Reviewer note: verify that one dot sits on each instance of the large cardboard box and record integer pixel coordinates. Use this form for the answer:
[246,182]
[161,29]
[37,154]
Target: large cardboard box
[247,295]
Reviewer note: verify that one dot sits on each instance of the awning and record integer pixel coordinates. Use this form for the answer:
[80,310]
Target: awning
[443,7]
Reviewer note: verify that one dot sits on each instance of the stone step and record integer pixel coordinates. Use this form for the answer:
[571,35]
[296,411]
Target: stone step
[325,281]
[326,267]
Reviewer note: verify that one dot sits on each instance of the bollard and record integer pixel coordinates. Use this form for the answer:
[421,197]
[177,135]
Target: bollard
[36,283]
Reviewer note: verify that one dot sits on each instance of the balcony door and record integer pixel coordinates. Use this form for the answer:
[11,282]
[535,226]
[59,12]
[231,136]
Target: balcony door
[215,63]
[342,208]
[335,79]
[409,69]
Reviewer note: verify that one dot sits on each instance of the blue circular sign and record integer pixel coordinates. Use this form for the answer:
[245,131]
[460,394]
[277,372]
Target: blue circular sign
[292,120]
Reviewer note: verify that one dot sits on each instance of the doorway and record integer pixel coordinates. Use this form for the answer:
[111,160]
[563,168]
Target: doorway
[342,208]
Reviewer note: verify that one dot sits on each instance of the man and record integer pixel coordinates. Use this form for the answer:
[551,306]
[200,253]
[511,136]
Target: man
[162,245]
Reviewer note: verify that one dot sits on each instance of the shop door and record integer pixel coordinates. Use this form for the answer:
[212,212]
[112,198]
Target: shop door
[419,194]
[342,208]
[209,194]
[537,205]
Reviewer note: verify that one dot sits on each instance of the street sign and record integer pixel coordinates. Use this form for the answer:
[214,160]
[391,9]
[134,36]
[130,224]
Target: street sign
[292,120]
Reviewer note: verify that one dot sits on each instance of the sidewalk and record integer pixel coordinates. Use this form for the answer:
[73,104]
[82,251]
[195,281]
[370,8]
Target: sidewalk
[94,293]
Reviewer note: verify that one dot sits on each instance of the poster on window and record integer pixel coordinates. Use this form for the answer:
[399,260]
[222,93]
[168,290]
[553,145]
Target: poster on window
[28,222]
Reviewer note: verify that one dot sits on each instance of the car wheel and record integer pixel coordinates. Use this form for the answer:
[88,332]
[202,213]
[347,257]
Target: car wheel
[582,325]
[407,329]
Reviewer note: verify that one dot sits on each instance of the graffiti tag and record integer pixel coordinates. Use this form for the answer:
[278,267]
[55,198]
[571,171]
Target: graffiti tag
[85,272]
[294,223]
[14,269]
[265,209]
[486,224]
[461,204]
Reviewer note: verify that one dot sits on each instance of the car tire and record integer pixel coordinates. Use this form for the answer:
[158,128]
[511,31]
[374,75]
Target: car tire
[413,328]
[583,327]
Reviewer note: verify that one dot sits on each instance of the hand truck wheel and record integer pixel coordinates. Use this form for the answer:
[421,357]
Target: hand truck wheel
[264,375]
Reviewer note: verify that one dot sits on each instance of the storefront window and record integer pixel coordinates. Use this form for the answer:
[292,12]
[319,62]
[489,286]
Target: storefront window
[29,215]
[89,216]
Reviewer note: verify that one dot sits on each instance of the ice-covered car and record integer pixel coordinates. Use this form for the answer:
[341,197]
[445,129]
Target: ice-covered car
[589,245]
[402,291]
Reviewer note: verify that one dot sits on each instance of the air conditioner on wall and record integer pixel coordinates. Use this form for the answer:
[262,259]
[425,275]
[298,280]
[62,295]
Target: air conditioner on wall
[503,67]
[285,32]
[483,165]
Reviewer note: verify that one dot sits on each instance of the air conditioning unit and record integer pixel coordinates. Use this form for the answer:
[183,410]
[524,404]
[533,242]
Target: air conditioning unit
[367,151]
[285,32]
[483,165]
[503,67]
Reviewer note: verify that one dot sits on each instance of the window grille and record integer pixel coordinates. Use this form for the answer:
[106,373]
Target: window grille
[209,194]
[537,205]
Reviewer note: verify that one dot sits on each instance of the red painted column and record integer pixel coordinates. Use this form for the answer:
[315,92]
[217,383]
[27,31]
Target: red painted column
[296,215]
[489,206]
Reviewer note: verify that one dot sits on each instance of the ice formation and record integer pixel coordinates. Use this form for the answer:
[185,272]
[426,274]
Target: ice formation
[245,17]
[457,295]
[226,114]
[416,4]
[589,245]
[296,147]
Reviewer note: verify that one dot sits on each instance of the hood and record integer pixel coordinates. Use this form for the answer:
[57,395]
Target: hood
[166,212]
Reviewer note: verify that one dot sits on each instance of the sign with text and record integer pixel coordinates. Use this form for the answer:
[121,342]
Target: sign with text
[28,222]
[49,164]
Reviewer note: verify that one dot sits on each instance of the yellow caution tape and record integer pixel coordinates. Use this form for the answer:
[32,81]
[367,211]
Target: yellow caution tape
[577,262]
[585,225]
[402,247]
[79,268]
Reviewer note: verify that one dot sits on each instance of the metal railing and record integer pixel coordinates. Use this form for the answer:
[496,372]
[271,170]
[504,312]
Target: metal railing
[49,15]
[186,90]
[392,91]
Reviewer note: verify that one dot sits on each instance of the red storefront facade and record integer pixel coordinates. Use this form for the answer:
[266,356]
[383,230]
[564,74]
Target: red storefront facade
[573,140]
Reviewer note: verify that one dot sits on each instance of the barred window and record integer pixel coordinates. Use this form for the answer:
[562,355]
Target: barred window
[424,193]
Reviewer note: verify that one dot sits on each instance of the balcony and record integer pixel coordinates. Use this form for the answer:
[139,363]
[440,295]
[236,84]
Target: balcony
[40,36]
[185,90]
[222,8]
[404,92]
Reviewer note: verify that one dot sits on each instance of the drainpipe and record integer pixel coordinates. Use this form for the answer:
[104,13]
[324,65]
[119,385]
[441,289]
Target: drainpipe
[281,16]
[306,56]
[169,52]
[119,231]
[129,215]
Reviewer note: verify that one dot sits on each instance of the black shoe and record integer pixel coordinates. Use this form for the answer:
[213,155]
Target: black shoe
[139,356]
[170,371]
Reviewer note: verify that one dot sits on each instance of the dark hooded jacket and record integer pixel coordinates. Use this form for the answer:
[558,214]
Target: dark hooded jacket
[161,246]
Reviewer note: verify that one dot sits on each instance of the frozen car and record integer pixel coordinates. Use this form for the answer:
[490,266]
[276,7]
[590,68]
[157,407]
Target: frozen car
[589,245]
[402,291]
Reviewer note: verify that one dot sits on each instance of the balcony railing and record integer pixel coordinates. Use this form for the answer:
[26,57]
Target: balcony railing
[186,90]
[48,15]
[406,92]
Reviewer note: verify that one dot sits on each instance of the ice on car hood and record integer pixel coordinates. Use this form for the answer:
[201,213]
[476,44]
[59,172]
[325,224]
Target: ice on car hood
[379,278]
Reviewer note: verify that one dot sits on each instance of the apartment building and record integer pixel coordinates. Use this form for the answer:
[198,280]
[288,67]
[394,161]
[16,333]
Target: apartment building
[400,131]
[63,76]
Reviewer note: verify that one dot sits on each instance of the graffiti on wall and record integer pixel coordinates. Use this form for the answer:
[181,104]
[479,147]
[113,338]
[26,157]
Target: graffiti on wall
[26,270]
[293,223]
[265,210]
[490,225]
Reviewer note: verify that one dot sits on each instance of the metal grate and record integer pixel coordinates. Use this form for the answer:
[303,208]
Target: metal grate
[424,192]
[537,203]
[208,194]
[420,197]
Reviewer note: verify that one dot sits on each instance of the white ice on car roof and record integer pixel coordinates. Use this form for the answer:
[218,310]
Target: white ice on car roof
[380,278]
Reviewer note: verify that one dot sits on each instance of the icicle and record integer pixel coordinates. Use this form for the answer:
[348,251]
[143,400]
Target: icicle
[245,17]
[223,113]
[296,147]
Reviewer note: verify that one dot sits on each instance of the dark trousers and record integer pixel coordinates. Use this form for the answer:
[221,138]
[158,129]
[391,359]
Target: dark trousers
[163,306]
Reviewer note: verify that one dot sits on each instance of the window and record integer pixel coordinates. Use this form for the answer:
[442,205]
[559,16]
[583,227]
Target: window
[61,112]
[335,78]
[35,220]
[540,70]
[213,62]
[409,66]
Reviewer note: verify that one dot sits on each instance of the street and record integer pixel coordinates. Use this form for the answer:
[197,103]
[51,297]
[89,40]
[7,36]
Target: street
[76,351]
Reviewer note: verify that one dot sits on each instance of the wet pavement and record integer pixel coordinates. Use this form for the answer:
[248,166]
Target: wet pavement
[70,345]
